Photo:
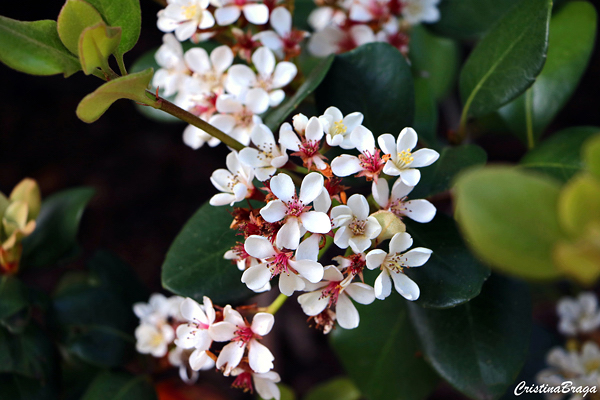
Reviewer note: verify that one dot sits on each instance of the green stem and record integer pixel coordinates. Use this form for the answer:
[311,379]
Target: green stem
[276,305]
[328,243]
[462,127]
[529,118]
[121,64]
[186,116]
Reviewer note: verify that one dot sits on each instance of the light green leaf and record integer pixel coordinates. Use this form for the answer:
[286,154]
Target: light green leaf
[35,48]
[96,44]
[559,156]
[120,386]
[194,265]
[57,226]
[375,358]
[122,13]
[132,86]
[508,218]
[507,60]
[579,204]
[383,90]
[281,112]
[334,389]
[74,17]
[479,347]
[571,41]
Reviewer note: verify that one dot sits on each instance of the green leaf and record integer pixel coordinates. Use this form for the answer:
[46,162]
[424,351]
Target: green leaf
[286,393]
[334,389]
[57,225]
[507,60]
[508,218]
[435,59]
[280,113]
[122,13]
[465,19]
[591,155]
[438,177]
[13,296]
[571,41]
[479,347]
[559,156]
[35,48]
[132,86]
[16,387]
[579,204]
[74,17]
[375,80]
[426,113]
[375,358]
[120,386]
[452,275]
[194,265]
[30,353]
[96,44]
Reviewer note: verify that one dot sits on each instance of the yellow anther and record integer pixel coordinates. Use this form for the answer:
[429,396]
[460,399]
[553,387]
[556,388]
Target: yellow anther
[339,128]
[405,157]
[190,11]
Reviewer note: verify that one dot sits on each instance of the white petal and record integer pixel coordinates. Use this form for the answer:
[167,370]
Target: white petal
[405,286]
[256,277]
[185,30]
[257,100]
[231,355]
[375,258]
[260,357]
[221,58]
[311,187]
[222,331]
[308,249]
[363,139]
[424,157]
[288,138]
[197,60]
[311,270]
[227,15]
[259,247]
[381,192]
[410,176]
[276,97]
[361,293]
[281,21]
[341,215]
[345,165]
[323,201]
[316,222]
[264,61]
[199,360]
[288,284]
[271,40]
[314,129]
[262,323]
[283,187]
[387,143]
[242,76]
[407,140]
[400,189]
[266,388]
[191,311]
[313,303]
[207,21]
[346,313]
[417,256]
[372,228]
[420,210]
[284,73]
[359,205]
[274,211]
[383,285]
[228,104]
[257,14]
[342,237]
[289,235]
[400,242]
[359,243]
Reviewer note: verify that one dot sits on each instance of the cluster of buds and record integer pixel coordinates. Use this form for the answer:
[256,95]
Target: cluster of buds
[286,237]
[18,213]
[187,332]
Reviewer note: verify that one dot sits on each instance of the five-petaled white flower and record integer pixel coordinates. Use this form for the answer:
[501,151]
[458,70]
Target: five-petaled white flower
[368,164]
[290,267]
[265,383]
[402,161]
[392,265]
[311,132]
[417,11]
[184,17]
[419,210]
[255,13]
[208,71]
[335,290]
[235,329]
[196,333]
[295,210]
[338,128]
[267,157]
[580,315]
[173,69]
[356,227]
[272,76]
[235,182]
[334,40]
[283,40]
[153,339]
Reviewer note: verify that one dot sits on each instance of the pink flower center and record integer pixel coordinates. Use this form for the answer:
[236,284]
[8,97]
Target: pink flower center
[239,3]
[295,207]
[243,381]
[280,263]
[332,290]
[398,208]
[309,148]
[243,335]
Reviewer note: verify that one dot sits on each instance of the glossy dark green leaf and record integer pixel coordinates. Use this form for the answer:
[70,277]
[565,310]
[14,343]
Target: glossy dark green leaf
[571,41]
[302,9]
[334,389]
[426,114]
[30,353]
[435,59]
[507,60]
[57,225]
[122,13]
[452,275]
[438,177]
[508,217]
[375,80]
[35,48]
[74,17]
[479,347]
[120,386]
[132,86]
[469,18]
[194,265]
[559,156]
[375,358]
[274,119]
[13,296]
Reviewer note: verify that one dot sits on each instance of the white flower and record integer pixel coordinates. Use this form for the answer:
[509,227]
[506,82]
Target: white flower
[335,290]
[257,14]
[580,315]
[368,164]
[276,261]
[393,264]
[208,72]
[419,210]
[402,162]
[173,71]
[267,157]
[338,128]
[417,11]
[179,357]
[184,17]
[321,17]
[152,339]
[265,383]
[356,227]
[283,40]
[234,328]
[295,209]
[196,137]
[308,147]
[272,76]
[158,309]
[235,182]
[369,10]
[392,33]
[334,40]
[196,333]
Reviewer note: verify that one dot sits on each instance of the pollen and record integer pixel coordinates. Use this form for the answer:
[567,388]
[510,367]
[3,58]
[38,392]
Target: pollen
[339,128]
[405,157]
[190,11]
[394,262]
[358,226]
